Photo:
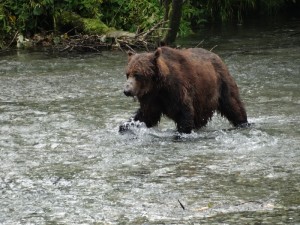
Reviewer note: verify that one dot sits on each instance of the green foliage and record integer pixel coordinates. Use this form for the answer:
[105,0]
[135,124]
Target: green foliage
[84,8]
[31,16]
[271,6]
[70,20]
[228,10]
[192,15]
[131,15]
[94,26]
[5,20]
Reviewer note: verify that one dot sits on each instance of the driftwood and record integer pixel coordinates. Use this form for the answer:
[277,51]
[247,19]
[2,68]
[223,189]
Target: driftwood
[145,40]
[122,40]
[81,43]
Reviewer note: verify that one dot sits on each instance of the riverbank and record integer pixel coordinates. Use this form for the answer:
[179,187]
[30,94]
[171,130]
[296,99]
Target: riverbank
[112,39]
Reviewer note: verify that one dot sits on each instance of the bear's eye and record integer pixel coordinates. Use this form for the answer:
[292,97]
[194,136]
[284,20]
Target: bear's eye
[138,76]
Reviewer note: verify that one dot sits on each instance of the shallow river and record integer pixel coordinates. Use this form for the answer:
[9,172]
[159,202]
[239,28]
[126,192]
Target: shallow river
[62,160]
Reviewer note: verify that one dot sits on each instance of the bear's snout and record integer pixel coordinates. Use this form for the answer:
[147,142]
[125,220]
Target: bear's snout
[129,87]
[127,92]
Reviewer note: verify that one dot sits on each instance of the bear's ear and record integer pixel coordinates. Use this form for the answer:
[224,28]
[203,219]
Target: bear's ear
[130,54]
[161,63]
[157,53]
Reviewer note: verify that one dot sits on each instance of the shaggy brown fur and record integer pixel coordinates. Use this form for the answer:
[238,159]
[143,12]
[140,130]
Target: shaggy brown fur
[187,86]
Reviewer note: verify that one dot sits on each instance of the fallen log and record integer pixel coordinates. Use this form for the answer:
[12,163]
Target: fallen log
[123,40]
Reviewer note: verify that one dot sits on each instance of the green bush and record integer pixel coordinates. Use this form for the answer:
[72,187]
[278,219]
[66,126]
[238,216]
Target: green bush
[36,15]
[33,16]
[131,15]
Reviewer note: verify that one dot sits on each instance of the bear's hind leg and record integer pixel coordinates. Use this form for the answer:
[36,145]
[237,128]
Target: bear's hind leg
[231,106]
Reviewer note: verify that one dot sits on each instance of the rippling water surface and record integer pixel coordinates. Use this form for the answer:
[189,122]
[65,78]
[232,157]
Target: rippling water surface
[63,161]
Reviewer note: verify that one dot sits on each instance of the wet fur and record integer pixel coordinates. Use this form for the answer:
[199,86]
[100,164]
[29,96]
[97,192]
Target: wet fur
[187,86]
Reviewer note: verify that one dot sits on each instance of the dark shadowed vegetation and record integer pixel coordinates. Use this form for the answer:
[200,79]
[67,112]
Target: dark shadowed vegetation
[54,20]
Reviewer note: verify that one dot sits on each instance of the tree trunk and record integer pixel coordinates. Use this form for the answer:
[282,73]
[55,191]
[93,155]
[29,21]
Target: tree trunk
[174,23]
[166,4]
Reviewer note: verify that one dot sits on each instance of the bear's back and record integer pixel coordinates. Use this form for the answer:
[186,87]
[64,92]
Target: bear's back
[203,54]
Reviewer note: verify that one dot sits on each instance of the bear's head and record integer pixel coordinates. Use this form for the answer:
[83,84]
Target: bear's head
[144,73]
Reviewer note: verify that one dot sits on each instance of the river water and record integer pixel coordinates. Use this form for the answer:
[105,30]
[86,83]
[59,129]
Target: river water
[64,162]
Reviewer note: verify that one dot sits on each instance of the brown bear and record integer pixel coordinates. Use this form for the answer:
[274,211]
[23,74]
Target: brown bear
[186,85]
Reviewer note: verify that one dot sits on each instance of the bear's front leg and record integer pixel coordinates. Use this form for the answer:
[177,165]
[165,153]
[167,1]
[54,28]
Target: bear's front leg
[185,126]
[126,126]
[130,123]
[185,121]
[149,116]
